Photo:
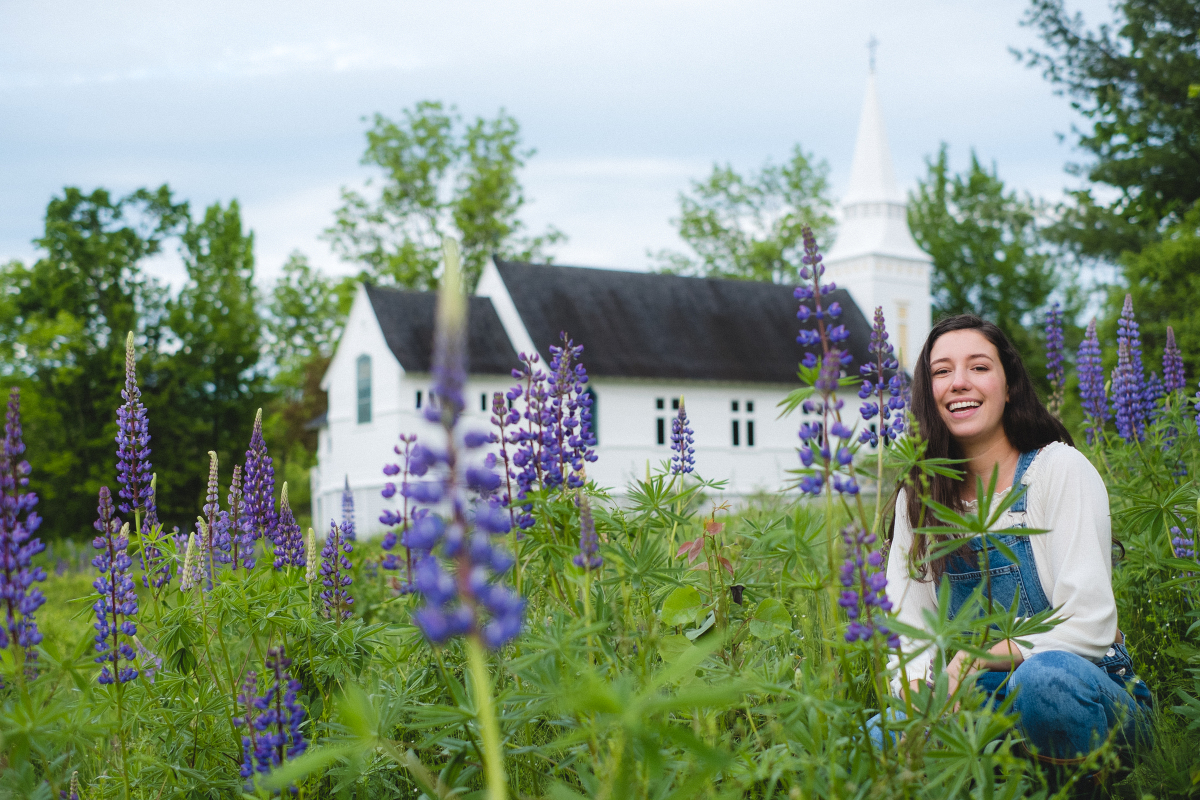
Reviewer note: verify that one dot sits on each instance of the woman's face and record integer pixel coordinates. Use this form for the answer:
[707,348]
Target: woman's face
[969,386]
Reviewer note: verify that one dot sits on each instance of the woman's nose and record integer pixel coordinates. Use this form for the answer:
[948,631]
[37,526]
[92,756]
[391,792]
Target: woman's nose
[961,379]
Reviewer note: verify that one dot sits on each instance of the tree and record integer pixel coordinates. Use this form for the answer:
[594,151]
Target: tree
[213,378]
[988,254]
[63,335]
[749,227]
[1134,82]
[306,314]
[439,178]
[1161,278]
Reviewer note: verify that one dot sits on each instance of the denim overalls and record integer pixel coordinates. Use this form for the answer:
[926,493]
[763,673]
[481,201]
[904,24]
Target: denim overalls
[1020,579]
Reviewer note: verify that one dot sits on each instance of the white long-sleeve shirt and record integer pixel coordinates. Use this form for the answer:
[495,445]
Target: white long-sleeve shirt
[1066,498]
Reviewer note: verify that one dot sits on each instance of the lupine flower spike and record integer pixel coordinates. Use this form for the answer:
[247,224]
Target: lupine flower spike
[310,549]
[589,544]
[1174,379]
[18,545]
[133,443]
[882,392]
[347,525]
[117,605]
[289,541]
[829,443]
[455,603]
[1127,395]
[863,594]
[273,720]
[414,463]
[1091,383]
[233,525]
[1055,371]
[1135,402]
[189,574]
[683,454]
[335,574]
[217,541]
[261,518]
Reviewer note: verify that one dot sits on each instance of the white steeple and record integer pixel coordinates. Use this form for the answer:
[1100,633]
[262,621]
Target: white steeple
[874,256]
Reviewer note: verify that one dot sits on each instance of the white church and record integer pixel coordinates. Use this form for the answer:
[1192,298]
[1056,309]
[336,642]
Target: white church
[728,348]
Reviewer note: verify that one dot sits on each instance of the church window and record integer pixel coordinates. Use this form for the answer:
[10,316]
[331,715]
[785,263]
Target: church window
[749,406]
[418,399]
[364,388]
[749,433]
[675,403]
[733,405]
[483,401]
[659,403]
[662,430]
[736,432]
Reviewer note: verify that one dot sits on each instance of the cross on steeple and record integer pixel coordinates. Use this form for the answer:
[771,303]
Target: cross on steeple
[872,44]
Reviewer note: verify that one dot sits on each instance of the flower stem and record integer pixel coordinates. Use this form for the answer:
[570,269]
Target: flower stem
[485,711]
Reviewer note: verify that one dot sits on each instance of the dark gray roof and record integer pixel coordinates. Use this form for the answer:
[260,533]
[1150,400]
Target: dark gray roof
[646,325]
[407,322]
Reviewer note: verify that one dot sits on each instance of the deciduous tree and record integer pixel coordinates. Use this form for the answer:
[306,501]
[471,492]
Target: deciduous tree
[749,226]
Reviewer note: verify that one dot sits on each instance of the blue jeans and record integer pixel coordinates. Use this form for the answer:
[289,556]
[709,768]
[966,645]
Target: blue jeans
[1066,705]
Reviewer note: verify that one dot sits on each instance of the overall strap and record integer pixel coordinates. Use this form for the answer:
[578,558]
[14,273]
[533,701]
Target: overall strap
[1022,466]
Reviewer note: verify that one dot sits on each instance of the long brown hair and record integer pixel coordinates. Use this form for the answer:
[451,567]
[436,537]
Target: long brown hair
[1027,424]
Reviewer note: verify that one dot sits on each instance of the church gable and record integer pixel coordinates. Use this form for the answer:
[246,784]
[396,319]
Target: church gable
[407,322]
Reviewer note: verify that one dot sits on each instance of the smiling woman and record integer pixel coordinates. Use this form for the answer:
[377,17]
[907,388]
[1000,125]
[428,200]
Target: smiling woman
[1073,684]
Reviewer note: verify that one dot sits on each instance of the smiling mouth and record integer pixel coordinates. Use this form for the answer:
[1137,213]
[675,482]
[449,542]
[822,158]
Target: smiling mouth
[962,405]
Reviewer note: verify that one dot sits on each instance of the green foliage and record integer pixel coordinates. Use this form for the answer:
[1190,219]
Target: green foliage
[1133,81]
[63,337]
[749,227]
[988,254]
[1164,279]
[440,178]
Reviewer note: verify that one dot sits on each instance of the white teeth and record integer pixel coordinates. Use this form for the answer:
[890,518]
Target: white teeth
[955,406]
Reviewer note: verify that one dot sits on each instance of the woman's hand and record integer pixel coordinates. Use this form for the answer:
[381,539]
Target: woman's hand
[1004,655]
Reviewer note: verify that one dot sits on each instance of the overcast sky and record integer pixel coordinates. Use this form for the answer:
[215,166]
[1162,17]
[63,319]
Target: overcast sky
[625,102]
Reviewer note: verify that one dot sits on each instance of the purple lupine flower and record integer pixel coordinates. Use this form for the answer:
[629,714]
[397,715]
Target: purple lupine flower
[528,456]
[1127,394]
[864,582]
[455,603]
[246,699]
[133,443]
[888,391]
[273,720]
[335,574]
[826,333]
[289,539]
[1138,405]
[347,525]
[1091,383]
[1056,372]
[401,517]
[589,544]
[1174,379]
[118,603]
[232,525]
[18,545]
[135,475]
[683,454]
[567,438]
[504,417]
[261,518]
[218,541]
[1184,545]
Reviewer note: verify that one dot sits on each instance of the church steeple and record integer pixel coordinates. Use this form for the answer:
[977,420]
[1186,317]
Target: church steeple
[874,256]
